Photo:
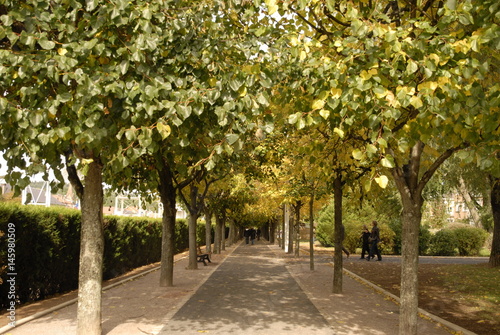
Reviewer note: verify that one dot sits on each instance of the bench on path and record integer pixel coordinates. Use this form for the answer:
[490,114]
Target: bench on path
[201,257]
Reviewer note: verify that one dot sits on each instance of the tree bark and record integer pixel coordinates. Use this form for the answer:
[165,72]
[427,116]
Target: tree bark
[337,258]
[291,232]
[91,254]
[297,208]
[410,183]
[272,231]
[470,203]
[167,192]
[208,231]
[495,207]
[193,251]
[223,231]
[218,235]
[311,232]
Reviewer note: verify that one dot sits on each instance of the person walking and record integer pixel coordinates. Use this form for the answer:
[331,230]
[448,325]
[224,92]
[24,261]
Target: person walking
[374,240]
[247,235]
[365,247]
[253,233]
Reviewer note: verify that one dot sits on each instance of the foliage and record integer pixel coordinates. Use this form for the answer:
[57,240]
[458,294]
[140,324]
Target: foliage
[443,243]
[470,240]
[424,238]
[48,245]
[353,221]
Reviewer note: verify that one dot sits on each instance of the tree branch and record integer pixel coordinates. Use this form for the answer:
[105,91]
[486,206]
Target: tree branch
[73,176]
[437,163]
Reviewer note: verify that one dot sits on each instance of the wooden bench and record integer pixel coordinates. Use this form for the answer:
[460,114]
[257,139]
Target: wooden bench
[203,257]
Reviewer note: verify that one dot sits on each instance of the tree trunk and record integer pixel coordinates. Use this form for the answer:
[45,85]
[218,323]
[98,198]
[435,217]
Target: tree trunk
[167,195]
[232,232]
[311,232]
[409,268]
[337,258]
[218,235]
[291,232]
[208,231]
[410,189]
[272,231]
[91,254]
[495,207]
[282,232]
[470,203]
[297,208]
[223,237]
[193,261]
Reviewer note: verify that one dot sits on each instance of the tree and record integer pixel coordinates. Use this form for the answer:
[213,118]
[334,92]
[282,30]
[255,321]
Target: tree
[406,72]
[72,75]
[210,90]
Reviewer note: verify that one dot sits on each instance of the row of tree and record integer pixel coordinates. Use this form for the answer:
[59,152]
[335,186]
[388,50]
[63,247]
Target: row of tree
[166,98]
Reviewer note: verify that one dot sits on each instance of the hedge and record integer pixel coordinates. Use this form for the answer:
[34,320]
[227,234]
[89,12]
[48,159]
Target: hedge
[47,246]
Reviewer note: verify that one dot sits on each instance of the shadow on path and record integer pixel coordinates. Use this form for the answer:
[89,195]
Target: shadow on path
[253,292]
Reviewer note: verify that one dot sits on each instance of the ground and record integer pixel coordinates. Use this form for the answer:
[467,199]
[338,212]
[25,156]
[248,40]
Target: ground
[434,297]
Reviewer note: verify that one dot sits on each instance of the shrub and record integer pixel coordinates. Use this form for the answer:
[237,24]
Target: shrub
[353,222]
[443,243]
[424,237]
[48,246]
[470,240]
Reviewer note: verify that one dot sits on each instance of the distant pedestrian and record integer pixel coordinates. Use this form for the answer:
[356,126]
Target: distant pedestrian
[246,234]
[258,234]
[365,247]
[374,240]
[342,237]
[253,233]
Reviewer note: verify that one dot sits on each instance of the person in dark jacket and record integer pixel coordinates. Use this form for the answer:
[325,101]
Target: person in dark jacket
[365,248]
[374,239]
[253,233]
[246,234]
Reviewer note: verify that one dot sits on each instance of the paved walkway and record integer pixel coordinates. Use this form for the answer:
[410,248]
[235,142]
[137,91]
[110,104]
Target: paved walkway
[251,292]
[247,289]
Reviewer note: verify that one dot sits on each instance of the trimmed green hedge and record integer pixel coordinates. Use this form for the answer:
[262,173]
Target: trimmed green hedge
[47,246]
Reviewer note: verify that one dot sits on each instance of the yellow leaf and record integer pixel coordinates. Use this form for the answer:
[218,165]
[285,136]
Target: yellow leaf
[339,132]
[431,85]
[325,113]
[365,75]
[62,51]
[318,104]
[271,6]
[242,91]
[303,55]
[382,181]
[416,102]
[336,92]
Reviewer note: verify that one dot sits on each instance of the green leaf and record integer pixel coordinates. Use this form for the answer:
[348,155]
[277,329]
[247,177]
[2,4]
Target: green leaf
[388,162]
[231,138]
[46,44]
[235,84]
[451,4]
[292,119]
[412,67]
[163,129]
